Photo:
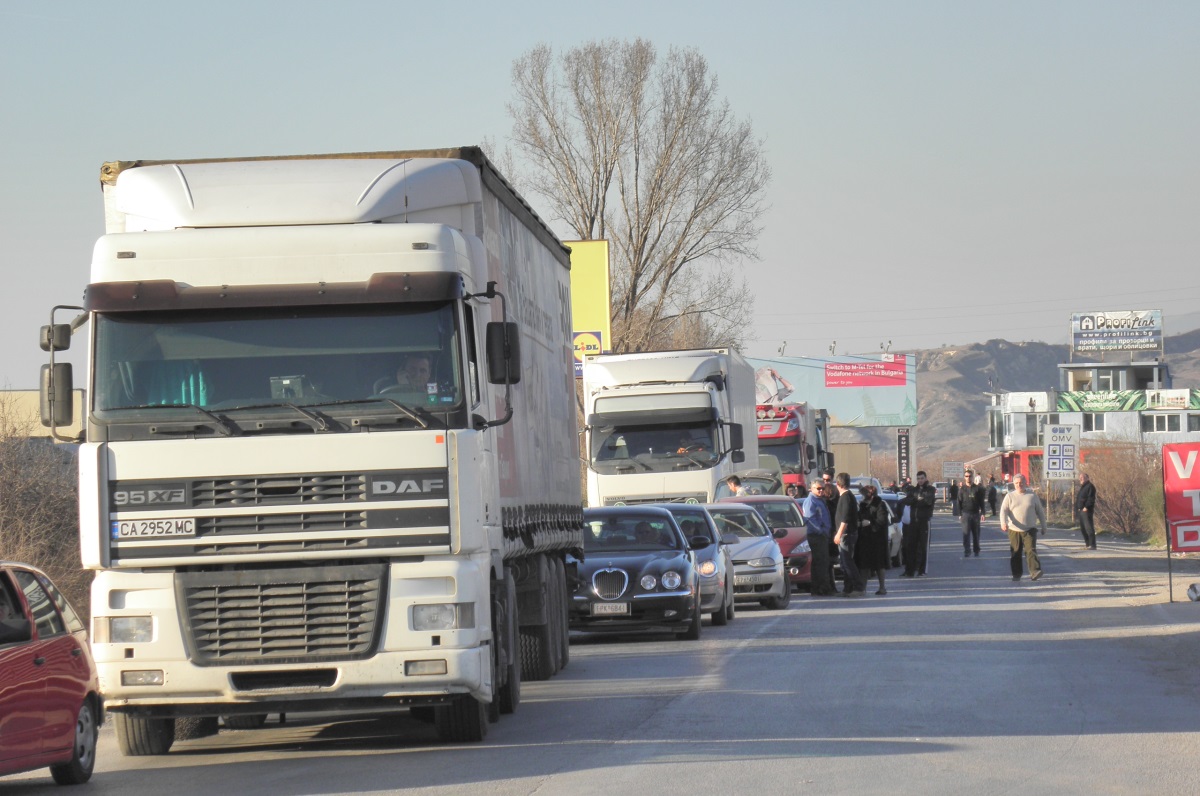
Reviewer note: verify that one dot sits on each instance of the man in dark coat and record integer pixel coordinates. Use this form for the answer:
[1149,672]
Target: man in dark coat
[993,494]
[1085,509]
[972,502]
[845,527]
[920,499]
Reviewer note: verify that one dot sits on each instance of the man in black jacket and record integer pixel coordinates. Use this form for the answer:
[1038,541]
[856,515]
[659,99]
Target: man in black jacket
[845,536]
[1085,508]
[919,499]
[972,502]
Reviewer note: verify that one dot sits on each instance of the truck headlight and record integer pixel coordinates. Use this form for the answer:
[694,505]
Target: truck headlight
[443,616]
[124,629]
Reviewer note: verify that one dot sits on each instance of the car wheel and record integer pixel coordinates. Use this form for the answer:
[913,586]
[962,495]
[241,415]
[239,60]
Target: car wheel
[463,720]
[721,615]
[730,605]
[83,756]
[777,603]
[693,631]
[138,736]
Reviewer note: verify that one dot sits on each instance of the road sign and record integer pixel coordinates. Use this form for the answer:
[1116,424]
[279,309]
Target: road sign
[1061,452]
[1181,488]
[952,471]
[903,453]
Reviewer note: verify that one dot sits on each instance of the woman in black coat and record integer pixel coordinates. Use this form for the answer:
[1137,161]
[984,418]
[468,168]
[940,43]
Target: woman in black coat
[874,522]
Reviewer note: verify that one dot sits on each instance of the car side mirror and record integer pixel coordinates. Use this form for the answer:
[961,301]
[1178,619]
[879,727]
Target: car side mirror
[779,533]
[730,539]
[699,542]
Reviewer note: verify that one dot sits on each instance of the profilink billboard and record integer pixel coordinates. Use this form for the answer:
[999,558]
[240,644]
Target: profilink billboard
[1125,330]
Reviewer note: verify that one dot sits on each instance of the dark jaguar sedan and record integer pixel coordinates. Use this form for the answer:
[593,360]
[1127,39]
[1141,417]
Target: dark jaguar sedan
[638,573]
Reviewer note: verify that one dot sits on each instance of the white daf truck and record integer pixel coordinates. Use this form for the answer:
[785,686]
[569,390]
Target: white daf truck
[666,425]
[330,442]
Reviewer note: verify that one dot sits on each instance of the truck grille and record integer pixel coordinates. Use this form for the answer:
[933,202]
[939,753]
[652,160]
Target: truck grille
[283,616]
[294,523]
[610,583]
[279,490]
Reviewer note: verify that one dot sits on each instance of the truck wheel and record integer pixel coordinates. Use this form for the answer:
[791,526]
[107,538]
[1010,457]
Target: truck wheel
[83,757]
[510,692]
[564,613]
[193,727]
[465,720]
[138,736]
[536,660]
[245,721]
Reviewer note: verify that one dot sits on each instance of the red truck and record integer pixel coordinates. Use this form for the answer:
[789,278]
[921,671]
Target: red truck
[798,436]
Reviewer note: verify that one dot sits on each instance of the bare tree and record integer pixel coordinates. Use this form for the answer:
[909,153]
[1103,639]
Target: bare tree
[641,151]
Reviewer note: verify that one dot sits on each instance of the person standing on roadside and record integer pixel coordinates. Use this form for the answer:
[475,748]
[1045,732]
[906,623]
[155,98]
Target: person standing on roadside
[845,523]
[820,526]
[992,491]
[1085,508]
[830,494]
[1022,516]
[920,500]
[954,495]
[972,501]
[874,519]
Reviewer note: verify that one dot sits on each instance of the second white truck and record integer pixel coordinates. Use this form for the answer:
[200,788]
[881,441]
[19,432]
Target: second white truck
[666,425]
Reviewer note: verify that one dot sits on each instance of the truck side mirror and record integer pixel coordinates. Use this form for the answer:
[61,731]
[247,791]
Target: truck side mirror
[56,390]
[810,454]
[55,337]
[830,457]
[737,457]
[503,353]
[735,437]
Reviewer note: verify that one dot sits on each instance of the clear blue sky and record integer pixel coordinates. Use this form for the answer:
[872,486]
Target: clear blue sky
[958,171]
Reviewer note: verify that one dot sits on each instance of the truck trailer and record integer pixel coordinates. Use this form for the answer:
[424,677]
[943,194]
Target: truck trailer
[330,441]
[666,425]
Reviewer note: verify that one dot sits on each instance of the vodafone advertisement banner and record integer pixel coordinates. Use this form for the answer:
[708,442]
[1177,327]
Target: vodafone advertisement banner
[1181,485]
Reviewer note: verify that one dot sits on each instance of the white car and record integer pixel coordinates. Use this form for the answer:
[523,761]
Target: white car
[759,573]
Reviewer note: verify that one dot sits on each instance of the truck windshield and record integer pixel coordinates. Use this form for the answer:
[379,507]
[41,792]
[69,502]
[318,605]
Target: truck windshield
[653,448]
[228,359]
[786,451]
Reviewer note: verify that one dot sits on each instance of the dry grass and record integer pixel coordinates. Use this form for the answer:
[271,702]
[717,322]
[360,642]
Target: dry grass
[1129,491]
[39,514]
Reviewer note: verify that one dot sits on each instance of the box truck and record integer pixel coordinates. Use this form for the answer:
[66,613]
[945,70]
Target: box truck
[329,440]
[666,425]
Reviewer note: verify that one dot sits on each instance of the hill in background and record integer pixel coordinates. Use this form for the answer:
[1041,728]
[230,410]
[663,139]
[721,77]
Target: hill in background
[952,387]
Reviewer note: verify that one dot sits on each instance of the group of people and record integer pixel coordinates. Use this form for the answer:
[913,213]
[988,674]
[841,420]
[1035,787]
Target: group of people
[856,532]
[969,482]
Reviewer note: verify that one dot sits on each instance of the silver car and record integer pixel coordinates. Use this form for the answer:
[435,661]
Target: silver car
[714,563]
[758,569]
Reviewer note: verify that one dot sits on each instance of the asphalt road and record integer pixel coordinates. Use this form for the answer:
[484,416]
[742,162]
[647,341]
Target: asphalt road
[961,682]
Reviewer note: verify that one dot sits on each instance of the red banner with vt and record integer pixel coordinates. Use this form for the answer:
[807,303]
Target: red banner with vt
[1181,486]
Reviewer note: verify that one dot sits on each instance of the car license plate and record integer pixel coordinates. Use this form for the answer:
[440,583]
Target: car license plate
[745,580]
[153,528]
[610,609]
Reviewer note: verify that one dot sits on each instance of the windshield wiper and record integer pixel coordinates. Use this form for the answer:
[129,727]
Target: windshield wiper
[317,423]
[404,410]
[227,427]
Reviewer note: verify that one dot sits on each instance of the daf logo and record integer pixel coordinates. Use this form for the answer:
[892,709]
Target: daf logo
[408,486]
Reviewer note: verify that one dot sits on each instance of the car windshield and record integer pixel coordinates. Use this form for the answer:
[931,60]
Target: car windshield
[652,448]
[780,514]
[753,486]
[743,522]
[692,523]
[630,533]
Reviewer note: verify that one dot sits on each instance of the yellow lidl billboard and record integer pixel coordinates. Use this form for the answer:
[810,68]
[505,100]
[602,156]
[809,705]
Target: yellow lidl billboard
[590,298]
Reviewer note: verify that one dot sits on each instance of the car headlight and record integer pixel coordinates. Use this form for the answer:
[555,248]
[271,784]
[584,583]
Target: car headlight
[800,549]
[648,582]
[707,568]
[761,562]
[671,580]
[443,616]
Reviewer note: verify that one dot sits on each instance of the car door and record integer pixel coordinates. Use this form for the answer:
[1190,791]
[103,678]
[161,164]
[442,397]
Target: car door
[22,681]
[57,655]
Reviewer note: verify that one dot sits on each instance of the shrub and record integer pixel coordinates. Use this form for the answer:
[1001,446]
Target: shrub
[39,504]
[1128,479]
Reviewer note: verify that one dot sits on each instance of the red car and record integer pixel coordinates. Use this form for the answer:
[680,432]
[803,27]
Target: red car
[781,512]
[50,707]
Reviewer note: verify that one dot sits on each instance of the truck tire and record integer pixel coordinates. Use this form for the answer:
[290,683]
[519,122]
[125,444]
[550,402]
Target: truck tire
[564,617]
[510,692]
[78,769]
[193,727]
[245,721]
[536,660]
[138,736]
[464,720]
[555,596]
